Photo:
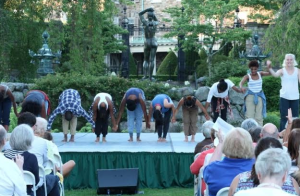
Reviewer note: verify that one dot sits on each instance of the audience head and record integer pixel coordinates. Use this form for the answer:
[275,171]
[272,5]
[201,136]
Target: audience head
[2,137]
[222,86]
[249,123]
[269,130]
[293,143]
[238,144]
[21,138]
[263,144]
[273,163]
[255,133]
[48,136]
[206,129]
[295,123]
[41,126]
[28,119]
[32,107]
[289,59]
[130,104]
[68,115]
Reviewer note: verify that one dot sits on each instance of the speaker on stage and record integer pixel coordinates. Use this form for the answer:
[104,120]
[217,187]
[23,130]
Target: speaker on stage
[118,181]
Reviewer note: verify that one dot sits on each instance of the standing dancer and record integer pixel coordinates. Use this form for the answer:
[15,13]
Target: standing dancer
[218,97]
[289,92]
[255,99]
[103,108]
[190,105]
[163,107]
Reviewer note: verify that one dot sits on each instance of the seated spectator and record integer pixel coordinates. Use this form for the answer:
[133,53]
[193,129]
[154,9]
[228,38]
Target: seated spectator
[20,141]
[206,130]
[249,179]
[255,133]
[11,178]
[52,148]
[248,124]
[293,148]
[272,168]
[238,150]
[269,130]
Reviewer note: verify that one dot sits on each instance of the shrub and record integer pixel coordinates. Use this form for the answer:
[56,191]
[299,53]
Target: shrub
[272,117]
[168,65]
[271,88]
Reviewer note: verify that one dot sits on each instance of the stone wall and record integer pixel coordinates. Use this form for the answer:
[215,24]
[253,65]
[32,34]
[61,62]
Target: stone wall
[19,90]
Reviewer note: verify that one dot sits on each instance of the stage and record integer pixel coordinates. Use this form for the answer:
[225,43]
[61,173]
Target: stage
[161,164]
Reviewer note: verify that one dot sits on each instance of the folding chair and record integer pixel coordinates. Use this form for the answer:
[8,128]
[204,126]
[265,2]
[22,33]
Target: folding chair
[51,166]
[30,180]
[43,175]
[58,163]
[223,192]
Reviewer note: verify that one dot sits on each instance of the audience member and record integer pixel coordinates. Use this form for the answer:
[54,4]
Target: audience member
[238,150]
[255,133]
[68,166]
[269,130]
[11,178]
[293,148]
[249,179]
[272,168]
[206,131]
[21,141]
[249,123]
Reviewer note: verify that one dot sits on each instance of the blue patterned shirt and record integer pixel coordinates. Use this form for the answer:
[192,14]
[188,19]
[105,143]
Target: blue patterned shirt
[70,100]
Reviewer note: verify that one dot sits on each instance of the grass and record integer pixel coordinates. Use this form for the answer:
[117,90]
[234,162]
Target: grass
[147,192]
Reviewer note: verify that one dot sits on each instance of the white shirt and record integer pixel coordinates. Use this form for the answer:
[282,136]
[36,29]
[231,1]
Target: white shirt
[39,148]
[11,178]
[289,85]
[214,90]
[265,191]
[103,98]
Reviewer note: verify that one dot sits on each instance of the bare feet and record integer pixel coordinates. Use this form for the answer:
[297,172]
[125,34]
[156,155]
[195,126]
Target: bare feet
[64,140]
[192,140]
[130,140]
[103,139]
[72,138]
[185,140]
[159,139]
[138,140]
[163,140]
[97,139]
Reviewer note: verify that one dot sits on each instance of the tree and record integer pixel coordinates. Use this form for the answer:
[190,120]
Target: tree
[210,21]
[282,36]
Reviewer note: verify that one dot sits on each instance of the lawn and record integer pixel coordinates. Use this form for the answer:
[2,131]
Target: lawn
[147,192]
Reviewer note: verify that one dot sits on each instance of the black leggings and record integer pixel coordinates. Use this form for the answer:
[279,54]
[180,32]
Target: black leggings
[214,103]
[165,126]
[101,124]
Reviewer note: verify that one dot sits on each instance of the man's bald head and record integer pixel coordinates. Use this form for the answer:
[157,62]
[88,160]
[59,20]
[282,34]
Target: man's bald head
[269,130]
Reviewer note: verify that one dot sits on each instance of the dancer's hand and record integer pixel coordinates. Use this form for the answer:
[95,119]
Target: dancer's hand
[207,117]
[148,125]
[115,128]
[269,64]
[173,120]
[289,116]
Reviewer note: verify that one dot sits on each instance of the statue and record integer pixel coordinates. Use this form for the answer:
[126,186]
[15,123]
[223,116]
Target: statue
[150,45]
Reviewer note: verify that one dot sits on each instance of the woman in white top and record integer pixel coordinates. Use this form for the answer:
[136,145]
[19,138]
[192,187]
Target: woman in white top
[255,100]
[271,167]
[218,98]
[102,109]
[289,92]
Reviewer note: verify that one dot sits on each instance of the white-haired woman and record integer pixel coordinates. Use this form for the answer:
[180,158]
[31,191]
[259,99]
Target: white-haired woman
[271,167]
[20,141]
[11,178]
[289,92]
[238,150]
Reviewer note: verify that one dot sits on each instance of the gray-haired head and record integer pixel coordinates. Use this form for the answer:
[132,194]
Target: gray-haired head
[272,163]
[21,137]
[269,130]
[255,133]
[41,126]
[2,137]
[249,123]
[206,129]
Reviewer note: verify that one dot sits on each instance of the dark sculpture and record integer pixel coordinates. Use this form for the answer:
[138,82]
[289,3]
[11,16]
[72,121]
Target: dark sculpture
[150,45]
